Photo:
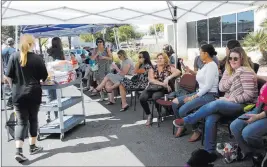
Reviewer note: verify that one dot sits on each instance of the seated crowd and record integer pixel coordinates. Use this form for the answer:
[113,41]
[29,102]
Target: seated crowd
[224,89]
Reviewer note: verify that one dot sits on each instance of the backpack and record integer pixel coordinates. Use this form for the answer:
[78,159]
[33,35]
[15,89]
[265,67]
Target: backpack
[11,123]
[5,59]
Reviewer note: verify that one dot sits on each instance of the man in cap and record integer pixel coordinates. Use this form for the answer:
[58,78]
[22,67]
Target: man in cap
[6,53]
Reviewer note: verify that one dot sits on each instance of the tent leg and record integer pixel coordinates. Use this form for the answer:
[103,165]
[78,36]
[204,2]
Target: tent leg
[115,36]
[175,38]
[156,37]
[16,37]
[118,38]
[93,39]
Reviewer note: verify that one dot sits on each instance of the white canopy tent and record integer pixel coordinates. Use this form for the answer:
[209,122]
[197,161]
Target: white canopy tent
[117,12]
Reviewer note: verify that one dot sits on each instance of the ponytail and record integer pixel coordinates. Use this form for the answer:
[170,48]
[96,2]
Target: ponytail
[26,44]
[23,53]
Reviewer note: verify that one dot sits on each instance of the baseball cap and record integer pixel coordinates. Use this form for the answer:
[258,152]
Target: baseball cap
[10,41]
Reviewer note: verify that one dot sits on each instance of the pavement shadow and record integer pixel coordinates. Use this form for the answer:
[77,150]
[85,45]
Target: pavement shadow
[79,148]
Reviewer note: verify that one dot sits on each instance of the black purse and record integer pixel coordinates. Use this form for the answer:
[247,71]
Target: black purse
[135,78]
[155,88]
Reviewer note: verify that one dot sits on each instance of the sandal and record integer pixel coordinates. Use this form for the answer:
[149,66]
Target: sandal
[125,108]
[195,137]
[182,133]
[109,103]
[94,92]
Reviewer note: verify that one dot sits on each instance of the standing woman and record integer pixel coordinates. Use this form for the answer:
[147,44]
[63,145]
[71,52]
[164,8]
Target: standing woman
[103,58]
[56,53]
[26,69]
[171,54]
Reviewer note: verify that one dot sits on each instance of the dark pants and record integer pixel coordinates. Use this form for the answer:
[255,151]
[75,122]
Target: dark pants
[145,95]
[25,115]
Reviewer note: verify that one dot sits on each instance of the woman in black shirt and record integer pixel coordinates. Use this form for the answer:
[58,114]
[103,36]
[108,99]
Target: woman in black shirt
[26,69]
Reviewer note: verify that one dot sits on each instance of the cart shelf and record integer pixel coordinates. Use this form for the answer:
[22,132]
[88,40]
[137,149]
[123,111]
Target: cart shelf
[67,102]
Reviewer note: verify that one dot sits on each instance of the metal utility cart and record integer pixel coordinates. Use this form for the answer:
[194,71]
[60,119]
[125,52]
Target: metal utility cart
[64,122]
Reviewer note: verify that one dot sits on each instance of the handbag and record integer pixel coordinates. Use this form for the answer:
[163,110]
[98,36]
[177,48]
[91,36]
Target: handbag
[94,67]
[135,78]
[155,88]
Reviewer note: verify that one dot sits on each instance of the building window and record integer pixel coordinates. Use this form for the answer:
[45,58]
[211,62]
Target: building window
[215,31]
[228,28]
[202,32]
[191,35]
[245,24]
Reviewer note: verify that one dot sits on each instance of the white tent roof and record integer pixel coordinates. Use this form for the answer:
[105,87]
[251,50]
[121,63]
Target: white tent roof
[114,12]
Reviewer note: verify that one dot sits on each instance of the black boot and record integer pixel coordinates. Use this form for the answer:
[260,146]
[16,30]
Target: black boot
[257,160]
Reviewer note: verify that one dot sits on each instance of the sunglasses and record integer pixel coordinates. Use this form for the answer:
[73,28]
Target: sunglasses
[233,58]
[140,57]
[99,41]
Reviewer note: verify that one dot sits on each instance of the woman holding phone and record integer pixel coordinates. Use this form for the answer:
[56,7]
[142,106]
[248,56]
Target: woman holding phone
[249,128]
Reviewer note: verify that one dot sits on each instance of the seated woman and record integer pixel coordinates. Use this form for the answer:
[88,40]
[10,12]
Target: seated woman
[141,70]
[240,86]
[112,81]
[208,80]
[160,75]
[199,63]
[74,61]
[230,45]
[89,76]
[249,133]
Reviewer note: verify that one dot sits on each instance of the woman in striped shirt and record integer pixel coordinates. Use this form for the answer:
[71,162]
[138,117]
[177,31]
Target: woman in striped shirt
[239,82]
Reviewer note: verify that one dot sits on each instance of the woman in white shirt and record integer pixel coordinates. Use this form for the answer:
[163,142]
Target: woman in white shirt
[208,79]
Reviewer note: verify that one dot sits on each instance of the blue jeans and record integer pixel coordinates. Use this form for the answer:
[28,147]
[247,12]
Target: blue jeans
[249,136]
[212,112]
[183,109]
[52,95]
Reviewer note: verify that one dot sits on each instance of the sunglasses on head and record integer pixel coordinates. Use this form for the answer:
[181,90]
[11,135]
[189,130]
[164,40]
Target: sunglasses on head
[99,41]
[233,58]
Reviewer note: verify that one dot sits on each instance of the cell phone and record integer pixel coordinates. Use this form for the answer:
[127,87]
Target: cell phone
[244,118]
[182,64]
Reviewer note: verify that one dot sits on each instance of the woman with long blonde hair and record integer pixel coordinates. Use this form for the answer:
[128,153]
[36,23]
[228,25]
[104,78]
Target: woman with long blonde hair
[239,82]
[26,69]
[160,76]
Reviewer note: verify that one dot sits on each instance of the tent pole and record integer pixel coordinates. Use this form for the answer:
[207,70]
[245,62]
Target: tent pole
[175,38]
[16,37]
[93,38]
[115,39]
[118,38]
[156,36]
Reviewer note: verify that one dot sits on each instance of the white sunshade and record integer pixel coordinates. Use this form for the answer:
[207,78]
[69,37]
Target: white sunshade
[114,12]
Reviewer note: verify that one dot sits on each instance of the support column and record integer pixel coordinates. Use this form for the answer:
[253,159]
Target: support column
[115,36]
[175,33]
[16,37]
[117,33]
[175,39]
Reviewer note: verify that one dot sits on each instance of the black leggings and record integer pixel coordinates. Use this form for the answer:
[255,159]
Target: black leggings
[145,95]
[25,115]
